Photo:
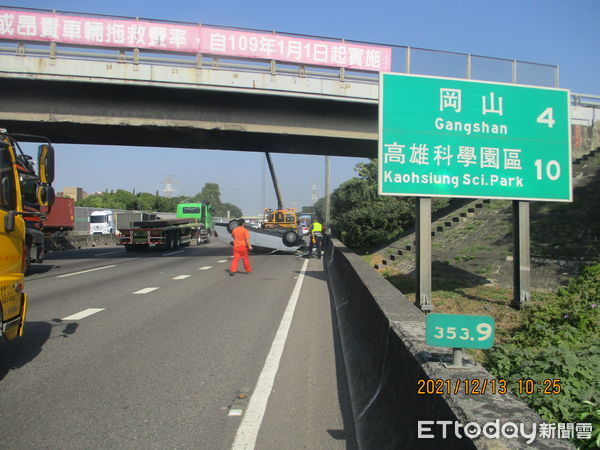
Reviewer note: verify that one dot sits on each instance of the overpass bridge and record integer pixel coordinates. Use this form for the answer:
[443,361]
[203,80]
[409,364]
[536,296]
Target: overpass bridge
[95,90]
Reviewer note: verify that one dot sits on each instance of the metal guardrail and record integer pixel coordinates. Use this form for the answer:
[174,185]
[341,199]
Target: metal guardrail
[418,61]
[592,101]
[413,60]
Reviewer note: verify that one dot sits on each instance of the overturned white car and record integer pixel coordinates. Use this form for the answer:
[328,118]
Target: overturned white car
[263,239]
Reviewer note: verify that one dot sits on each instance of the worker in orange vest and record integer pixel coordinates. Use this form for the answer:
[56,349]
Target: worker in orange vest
[241,245]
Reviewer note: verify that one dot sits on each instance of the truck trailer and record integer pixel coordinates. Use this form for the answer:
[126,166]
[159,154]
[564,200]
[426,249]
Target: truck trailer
[59,221]
[125,220]
[166,234]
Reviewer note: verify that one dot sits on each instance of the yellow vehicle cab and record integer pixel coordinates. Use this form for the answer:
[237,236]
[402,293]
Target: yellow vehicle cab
[13,299]
[281,218]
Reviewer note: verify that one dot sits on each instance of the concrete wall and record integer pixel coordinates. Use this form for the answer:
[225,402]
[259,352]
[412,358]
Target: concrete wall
[71,242]
[385,356]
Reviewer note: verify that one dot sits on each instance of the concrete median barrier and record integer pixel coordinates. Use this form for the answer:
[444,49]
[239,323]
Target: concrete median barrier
[73,242]
[385,356]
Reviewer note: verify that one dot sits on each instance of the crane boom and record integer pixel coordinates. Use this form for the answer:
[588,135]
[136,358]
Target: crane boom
[275,184]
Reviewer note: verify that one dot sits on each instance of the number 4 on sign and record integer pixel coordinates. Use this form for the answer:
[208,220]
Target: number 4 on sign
[546,118]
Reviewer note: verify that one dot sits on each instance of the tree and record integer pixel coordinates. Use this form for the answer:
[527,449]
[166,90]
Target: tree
[122,199]
[234,211]
[146,201]
[92,201]
[210,194]
[362,218]
[320,208]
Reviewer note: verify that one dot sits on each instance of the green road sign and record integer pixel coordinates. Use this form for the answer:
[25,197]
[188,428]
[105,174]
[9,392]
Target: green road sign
[443,137]
[459,331]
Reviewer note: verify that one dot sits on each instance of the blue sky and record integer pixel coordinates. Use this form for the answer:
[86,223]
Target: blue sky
[557,32]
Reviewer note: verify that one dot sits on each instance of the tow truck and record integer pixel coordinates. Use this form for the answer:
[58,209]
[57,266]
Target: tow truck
[13,248]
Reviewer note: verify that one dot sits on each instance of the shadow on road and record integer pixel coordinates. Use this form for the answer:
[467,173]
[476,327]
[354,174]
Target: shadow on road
[16,354]
[346,434]
[36,269]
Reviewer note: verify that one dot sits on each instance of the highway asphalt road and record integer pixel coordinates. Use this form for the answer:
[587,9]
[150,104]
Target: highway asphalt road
[164,350]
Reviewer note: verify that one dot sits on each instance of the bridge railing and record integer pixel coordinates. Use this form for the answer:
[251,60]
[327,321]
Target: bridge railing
[419,61]
[591,101]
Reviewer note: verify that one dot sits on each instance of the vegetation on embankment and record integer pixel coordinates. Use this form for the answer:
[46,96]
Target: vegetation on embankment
[556,337]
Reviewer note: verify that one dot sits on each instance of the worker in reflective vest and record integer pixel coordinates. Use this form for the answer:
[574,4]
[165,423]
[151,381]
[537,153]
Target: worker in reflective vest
[315,233]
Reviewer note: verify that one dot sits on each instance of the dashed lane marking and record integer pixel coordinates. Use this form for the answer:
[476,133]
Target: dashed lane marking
[173,253]
[181,277]
[222,261]
[146,290]
[205,267]
[82,314]
[109,253]
[84,271]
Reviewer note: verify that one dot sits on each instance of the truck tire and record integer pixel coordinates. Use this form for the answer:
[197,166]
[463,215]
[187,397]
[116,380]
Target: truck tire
[289,238]
[176,240]
[232,224]
[168,242]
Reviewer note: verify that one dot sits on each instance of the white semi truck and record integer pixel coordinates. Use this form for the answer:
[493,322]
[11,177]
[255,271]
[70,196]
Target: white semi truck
[102,222]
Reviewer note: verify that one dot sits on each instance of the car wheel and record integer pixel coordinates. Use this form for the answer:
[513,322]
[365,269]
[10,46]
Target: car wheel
[232,224]
[290,238]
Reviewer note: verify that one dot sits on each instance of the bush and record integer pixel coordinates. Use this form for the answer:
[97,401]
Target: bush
[559,340]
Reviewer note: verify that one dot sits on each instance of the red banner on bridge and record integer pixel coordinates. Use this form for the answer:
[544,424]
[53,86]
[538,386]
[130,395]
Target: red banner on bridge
[131,33]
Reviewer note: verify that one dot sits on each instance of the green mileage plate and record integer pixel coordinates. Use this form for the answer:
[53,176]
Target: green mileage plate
[459,331]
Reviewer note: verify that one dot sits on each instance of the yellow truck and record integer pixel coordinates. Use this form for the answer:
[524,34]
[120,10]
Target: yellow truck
[13,251]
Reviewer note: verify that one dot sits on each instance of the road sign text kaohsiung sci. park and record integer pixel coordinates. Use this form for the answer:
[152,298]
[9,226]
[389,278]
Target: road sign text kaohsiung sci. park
[445,137]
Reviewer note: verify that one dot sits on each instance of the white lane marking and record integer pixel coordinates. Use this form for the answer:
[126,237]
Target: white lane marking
[181,277]
[246,435]
[82,314]
[235,412]
[109,253]
[222,261]
[85,271]
[205,267]
[173,253]
[146,290]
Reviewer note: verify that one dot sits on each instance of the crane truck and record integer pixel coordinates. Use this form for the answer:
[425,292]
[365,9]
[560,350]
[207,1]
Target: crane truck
[13,213]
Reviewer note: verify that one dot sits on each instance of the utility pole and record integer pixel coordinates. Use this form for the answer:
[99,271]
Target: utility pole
[327,199]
